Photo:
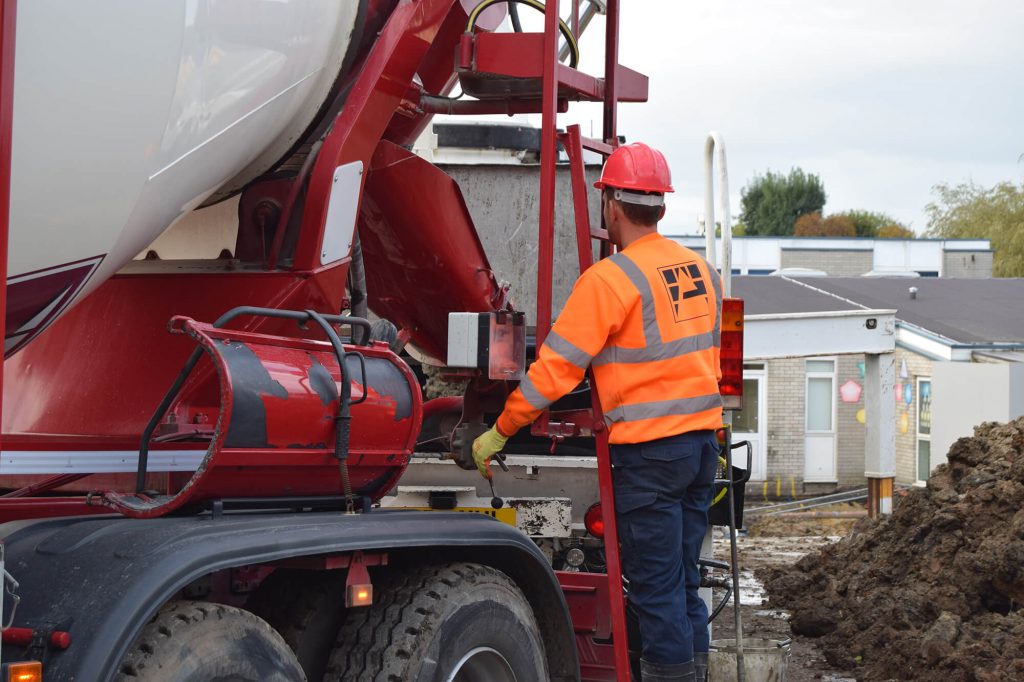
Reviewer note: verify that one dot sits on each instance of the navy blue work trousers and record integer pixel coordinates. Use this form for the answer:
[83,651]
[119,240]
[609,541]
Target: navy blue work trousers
[663,489]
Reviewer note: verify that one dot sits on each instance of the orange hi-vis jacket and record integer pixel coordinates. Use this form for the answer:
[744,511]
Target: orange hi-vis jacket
[648,320]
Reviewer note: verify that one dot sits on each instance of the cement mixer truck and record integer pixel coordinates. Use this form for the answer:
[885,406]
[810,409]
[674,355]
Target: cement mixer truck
[203,200]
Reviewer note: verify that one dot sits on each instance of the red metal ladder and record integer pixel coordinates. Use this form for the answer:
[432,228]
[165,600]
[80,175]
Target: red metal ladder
[520,66]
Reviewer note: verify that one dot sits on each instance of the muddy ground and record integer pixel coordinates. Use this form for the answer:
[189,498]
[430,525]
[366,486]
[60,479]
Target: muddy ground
[779,542]
[933,592]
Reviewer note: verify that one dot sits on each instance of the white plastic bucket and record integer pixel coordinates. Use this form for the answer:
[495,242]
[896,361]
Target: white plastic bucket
[764,660]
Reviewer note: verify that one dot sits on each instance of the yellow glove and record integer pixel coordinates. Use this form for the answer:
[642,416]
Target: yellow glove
[485,447]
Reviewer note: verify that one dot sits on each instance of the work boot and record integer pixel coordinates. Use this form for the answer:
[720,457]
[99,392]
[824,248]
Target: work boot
[700,666]
[660,672]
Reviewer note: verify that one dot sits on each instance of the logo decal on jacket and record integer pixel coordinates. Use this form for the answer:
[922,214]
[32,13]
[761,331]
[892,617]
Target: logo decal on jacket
[683,282]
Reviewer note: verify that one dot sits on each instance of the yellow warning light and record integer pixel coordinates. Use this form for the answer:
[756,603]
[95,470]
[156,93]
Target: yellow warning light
[359,595]
[29,671]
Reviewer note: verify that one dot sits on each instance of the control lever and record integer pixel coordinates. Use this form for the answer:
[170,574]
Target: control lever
[496,501]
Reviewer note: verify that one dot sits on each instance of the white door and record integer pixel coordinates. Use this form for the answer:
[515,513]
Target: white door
[749,424]
[820,434]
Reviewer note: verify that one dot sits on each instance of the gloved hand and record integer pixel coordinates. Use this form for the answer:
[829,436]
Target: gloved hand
[485,447]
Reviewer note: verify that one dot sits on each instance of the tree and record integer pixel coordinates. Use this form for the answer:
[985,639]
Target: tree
[869,224]
[812,225]
[808,225]
[838,226]
[772,202]
[972,211]
[895,231]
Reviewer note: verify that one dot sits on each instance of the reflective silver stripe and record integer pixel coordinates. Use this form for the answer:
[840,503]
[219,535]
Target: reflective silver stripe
[532,395]
[664,408]
[665,351]
[567,350]
[716,281]
[652,333]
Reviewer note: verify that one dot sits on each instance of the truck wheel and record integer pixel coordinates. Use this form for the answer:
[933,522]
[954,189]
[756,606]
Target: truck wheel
[450,623]
[307,609]
[201,641]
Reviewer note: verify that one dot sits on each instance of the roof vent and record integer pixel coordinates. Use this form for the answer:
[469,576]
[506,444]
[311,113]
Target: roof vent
[913,293]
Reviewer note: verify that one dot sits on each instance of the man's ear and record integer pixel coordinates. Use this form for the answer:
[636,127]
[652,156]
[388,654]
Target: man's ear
[662,214]
[615,208]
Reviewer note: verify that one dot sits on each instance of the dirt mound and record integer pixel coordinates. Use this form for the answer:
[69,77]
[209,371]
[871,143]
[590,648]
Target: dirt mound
[935,591]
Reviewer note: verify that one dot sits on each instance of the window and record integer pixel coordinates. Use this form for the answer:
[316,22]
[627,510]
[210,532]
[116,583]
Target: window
[746,420]
[821,379]
[924,428]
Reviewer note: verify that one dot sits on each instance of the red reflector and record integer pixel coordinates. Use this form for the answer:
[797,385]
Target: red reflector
[593,521]
[731,355]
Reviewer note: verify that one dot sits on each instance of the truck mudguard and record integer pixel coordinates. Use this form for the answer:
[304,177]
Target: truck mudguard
[103,578]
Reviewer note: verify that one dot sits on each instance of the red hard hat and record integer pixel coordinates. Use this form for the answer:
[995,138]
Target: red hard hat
[637,168]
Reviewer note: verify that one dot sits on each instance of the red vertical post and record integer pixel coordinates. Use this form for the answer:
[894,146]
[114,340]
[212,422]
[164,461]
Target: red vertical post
[604,464]
[8,13]
[548,159]
[611,65]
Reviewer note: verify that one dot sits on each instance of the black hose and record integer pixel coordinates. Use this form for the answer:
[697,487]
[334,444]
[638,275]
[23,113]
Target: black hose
[722,605]
[344,416]
[513,13]
[357,284]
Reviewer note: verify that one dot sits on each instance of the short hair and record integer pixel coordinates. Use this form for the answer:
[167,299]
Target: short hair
[648,216]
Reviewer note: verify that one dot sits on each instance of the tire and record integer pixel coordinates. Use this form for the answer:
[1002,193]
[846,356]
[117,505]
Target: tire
[450,623]
[201,641]
[307,609]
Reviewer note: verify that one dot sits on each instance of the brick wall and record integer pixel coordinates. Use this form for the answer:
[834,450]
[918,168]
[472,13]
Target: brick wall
[785,432]
[967,264]
[849,431]
[906,439]
[835,263]
[786,425]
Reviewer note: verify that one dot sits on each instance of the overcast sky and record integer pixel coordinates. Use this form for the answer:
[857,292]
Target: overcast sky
[881,99]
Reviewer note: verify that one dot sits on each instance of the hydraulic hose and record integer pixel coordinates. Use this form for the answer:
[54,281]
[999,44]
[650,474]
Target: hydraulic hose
[513,13]
[357,285]
[574,48]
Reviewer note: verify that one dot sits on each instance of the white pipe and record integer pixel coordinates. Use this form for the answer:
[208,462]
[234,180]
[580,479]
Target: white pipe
[714,147]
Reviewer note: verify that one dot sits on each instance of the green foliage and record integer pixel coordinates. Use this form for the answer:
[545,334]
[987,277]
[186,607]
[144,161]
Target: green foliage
[772,202]
[971,211]
[869,224]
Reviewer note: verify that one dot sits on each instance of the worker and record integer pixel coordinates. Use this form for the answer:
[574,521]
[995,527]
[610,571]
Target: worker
[647,319]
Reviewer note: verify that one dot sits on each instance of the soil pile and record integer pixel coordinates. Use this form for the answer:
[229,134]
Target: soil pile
[933,592]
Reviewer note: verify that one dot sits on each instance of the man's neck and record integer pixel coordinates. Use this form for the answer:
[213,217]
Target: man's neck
[631,232]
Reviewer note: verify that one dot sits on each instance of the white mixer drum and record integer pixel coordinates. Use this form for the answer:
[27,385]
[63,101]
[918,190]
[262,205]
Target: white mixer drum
[129,114]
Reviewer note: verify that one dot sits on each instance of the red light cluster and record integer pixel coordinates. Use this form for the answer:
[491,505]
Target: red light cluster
[731,384]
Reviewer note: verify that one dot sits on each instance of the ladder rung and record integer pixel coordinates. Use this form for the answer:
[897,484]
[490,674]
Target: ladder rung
[600,233]
[598,146]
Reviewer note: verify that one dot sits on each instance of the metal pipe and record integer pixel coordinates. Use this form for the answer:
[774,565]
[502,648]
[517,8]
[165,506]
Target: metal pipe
[735,558]
[714,147]
[433,104]
[44,485]
[851,514]
[580,25]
